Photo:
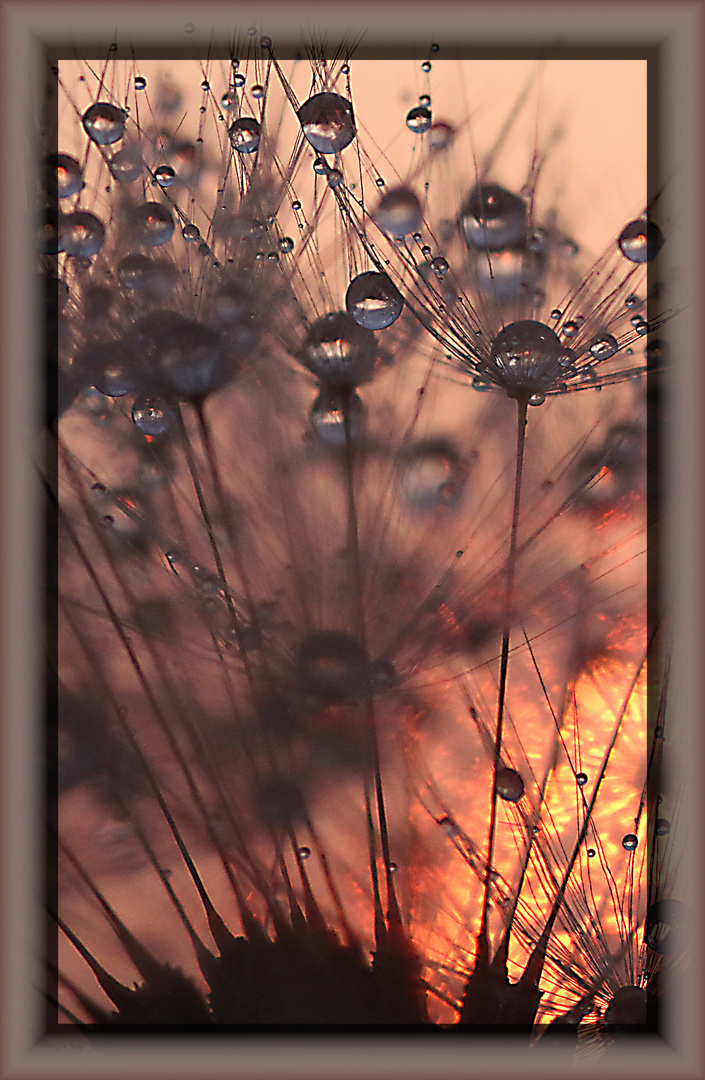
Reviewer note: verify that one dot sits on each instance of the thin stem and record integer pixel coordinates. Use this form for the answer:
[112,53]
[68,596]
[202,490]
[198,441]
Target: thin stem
[522,409]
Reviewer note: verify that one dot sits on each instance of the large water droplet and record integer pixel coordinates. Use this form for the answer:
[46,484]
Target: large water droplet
[339,351]
[510,785]
[328,123]
[81,234]
[431,475]
[142,274]
[179,356]
[245,135]
[104,123]
[152,224]
[328,416]
[604,346]
[373,300]
[440,137]
[399,212]
[493,218]
[640,241]
[164,175]
[528,358]
[126,166]
[153,415]
[65,177]
[629,842]
[419,119]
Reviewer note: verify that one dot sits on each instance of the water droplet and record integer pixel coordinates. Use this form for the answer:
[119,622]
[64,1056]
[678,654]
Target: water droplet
[339,351]
[156,276]
[440,137]
[332,666]
[152,224]
[570,328]
[304,852]
[345,69]
[439,266]
[493,218]
[286,244]
[245,135]
[399,212]
[328,123]
[81,234]
[537,399]
[164,175]
[633,301]
[239,80]
[373,300]
[65,177]
[153,415]
[334,177]
[431,475]
[581,779]
[665,930]
[662,827]
[482,386]
[641,327]
[640,241]
[104,123]
[328,416]
[191,232]
[510,785]
[591,853]
[629,842]
[419,119]
[604,346]
[229,100]
[424,100]
[126,166]
[393,867]
[181,357]
[140,82]
[189,27]
[257,92]
[528,357]
[556,313]
[426,66]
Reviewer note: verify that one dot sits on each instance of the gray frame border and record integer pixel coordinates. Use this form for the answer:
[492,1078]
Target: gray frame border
[26,26]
